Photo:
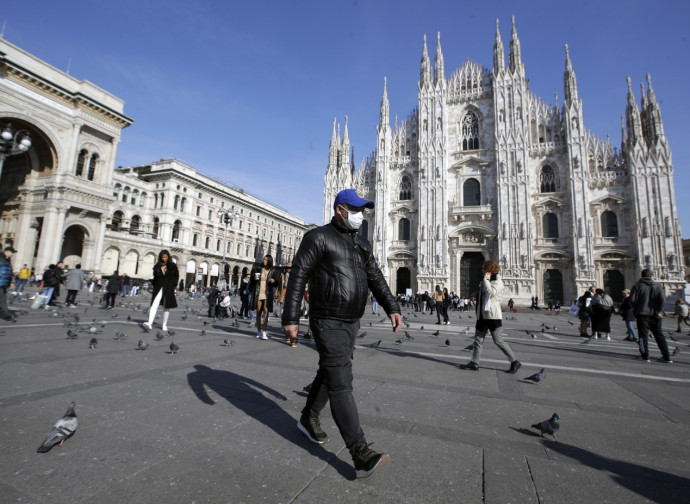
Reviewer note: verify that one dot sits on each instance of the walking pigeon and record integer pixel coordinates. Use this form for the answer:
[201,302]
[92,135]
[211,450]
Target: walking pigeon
[375,345]
[141,345]
[159,336]
[173,348]
[537,377]
[63,429]
[549,426]
[93,343]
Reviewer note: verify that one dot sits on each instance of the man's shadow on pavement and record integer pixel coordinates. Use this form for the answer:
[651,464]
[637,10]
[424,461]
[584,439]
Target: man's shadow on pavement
[655,485]
[246,395]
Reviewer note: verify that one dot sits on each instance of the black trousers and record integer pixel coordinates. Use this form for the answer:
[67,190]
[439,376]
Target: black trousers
[110,298]
[71,296]
[335,342]
[645,324]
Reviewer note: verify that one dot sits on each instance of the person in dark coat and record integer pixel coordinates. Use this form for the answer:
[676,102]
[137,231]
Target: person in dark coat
[51,281]
[626,311]
[263,281]
[112,290]
[164,282]
[647,298]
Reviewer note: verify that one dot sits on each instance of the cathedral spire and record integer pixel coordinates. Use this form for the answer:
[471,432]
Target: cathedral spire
[346,137]
[569,81]
[632,115]
[654,112]
[425,74]
[333,147]
[384,115]
[499,53]
[515,55]
[439,72]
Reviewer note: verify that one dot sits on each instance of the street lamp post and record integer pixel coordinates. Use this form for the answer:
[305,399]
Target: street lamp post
[12,143]
[227,217]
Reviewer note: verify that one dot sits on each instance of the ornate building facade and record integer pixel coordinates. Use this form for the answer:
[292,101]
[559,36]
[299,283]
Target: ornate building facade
[484,169]
[64,199]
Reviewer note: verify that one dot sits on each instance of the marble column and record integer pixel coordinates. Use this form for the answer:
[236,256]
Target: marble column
[99,240]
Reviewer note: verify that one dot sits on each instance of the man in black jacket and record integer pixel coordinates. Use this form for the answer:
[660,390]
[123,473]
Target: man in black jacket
[340,268]
[647,298]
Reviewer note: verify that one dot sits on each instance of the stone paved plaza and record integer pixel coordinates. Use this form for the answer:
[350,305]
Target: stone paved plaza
[216,423]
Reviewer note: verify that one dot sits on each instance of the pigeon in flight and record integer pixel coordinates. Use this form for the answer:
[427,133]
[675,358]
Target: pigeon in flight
[375,345]
[549,426]
[537,377]
[93,343]
[141,345]
[62,430]
[174,348]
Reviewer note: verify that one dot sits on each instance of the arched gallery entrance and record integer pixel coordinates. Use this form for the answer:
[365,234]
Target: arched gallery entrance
[470,273]
[403,280]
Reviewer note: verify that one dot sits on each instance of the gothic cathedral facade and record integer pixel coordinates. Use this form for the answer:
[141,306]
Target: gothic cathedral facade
[484,169]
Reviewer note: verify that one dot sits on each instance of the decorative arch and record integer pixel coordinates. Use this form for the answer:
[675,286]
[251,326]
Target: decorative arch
[470,130]
[405,187]
[471,192]
[548,179]
[111,260]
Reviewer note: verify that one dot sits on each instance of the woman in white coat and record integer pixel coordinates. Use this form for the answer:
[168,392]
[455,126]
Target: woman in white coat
[489,317]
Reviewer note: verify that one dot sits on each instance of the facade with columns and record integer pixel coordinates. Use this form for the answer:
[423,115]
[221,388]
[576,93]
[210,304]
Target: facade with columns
[484,169]
[64,199]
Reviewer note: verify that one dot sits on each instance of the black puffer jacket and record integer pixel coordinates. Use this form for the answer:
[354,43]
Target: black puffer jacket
[340,269]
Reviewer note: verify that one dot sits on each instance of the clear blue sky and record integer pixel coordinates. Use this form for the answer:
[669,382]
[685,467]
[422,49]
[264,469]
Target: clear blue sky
[247,91]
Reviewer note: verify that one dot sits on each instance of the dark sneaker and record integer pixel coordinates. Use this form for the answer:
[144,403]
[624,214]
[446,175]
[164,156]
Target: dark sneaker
[472,366]
[666,361]
[367,460]
[514,366]
[311,427]
[641,358]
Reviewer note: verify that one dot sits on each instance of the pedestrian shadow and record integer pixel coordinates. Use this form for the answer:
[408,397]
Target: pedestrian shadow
[248,396]
[657,486]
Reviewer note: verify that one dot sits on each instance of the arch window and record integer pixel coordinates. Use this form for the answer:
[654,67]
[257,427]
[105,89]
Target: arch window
[176,203]
[208,242]
[218,245]
[142,199]
[134,225]
[156,226]
[471,192]
[195,240]
[246,251]
[81,158]
[547,180]
[135,197]
[550,225]
[155,201]
[176,230]
[117,221]
[470,132]
[183,203]
[403,229]
[125,194]
[116,190]
[609,224]
[92,167]
[239,248]
[405,188]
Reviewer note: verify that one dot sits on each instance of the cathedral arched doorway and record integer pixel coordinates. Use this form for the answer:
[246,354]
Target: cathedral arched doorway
[111,261]
[470,273]
[553,286]
[403,280]
[614,283]
[72,246]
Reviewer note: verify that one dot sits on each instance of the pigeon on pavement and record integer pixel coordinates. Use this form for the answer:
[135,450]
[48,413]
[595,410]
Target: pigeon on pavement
[537,377]
[375,345]
[62,430]
[93,343]
[408,335]
[159,336]
[141,345]
[676,351]
[174,348]
[549,426]
[362,334]
[71,334]
[447,342]
[436,333]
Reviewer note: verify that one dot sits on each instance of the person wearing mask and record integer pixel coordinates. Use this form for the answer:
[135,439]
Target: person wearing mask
[165,278]
[490,316]
[263,281]
[73,284]
[338,265]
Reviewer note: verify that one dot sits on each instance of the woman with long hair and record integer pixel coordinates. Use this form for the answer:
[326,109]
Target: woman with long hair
[489,317]
[264,279]
[164,281]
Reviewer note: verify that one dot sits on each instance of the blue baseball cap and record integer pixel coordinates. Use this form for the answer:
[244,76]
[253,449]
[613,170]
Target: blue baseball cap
[350,197]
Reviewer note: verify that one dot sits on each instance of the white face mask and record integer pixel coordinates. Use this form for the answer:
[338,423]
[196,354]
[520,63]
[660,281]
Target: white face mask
[354,220]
